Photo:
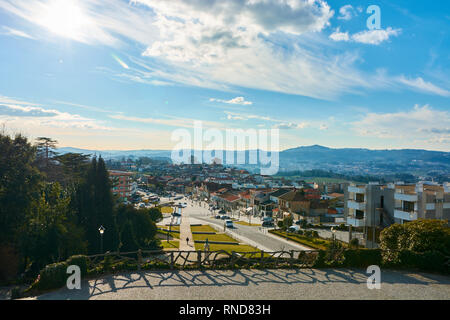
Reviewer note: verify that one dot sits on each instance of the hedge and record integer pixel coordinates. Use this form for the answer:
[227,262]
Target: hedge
[80,261]
[433,261]
[53,276]
[362,258]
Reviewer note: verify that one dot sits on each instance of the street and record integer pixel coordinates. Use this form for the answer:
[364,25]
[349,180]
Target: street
[254,236]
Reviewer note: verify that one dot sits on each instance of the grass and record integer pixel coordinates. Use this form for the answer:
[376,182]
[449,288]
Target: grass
[315,243]
[214,237]
[244,223]
[205,228]
[166,210]
[172,234]
[227,247]
[172,244]
[176,228]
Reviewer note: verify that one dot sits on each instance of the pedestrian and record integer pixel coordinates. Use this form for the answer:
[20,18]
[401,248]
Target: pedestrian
[187,240]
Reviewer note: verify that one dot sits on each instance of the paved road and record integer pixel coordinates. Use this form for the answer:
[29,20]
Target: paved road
[303,284]
[250,235]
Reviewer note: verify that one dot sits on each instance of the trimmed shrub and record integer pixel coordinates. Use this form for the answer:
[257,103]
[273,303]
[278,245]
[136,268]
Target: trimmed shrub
[53,276]
[433,261]
[362,258]
[80,261]
[354,243]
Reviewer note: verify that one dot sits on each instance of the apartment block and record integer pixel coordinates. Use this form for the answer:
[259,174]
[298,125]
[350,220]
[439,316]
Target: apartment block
[421,201]
[122,184]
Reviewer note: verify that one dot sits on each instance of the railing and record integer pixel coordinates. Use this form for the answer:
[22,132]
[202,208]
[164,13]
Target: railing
[143,259]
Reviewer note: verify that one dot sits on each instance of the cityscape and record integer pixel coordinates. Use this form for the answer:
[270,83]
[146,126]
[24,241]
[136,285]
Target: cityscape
[226,156]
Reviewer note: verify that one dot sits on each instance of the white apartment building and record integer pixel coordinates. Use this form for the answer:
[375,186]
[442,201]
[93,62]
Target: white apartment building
[421,201]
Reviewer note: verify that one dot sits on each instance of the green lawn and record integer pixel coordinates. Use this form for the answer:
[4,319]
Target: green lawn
[176,228]
[172,244]
[214,237]
[173,234]
[244,223]
[315,243]
[227,247]
[204,228]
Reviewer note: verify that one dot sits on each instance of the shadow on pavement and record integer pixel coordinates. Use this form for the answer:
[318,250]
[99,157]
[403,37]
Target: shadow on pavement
[239,278]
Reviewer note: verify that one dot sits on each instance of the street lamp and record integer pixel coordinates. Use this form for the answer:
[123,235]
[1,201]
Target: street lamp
[102,231]
[333,234]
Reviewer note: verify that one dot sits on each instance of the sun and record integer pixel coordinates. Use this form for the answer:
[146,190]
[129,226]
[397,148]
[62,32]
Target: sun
[64,18]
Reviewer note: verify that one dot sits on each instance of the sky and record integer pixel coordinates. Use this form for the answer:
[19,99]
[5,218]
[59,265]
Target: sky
[124,75]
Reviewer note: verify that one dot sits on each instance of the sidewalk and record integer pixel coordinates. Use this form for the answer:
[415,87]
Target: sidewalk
[185,232]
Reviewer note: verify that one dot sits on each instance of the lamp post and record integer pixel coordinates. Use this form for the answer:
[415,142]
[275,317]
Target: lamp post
[102,231]
[333,234]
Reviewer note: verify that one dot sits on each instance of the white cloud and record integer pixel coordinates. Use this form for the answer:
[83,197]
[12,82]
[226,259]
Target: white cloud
[375,37]
[237,100]
[347,12]
[22,114]
[169,121]
[418,127]
[14,32]
[277,123]
[339,36]
[423,86]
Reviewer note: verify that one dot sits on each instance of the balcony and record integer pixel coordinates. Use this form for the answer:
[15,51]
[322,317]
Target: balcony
[356,222]
[356,205]
[405,197]
[356,189]
[409,216]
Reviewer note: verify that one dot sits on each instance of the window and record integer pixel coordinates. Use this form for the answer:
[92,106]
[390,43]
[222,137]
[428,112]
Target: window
[408,206]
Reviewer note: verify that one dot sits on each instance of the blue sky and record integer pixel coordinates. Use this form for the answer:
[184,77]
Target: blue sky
[125,74]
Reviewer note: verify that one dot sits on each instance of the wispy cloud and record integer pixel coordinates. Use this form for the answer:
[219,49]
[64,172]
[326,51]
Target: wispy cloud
[237,100]
[373,37]
[416,127]
[16,33]
[347,12]
[424,86]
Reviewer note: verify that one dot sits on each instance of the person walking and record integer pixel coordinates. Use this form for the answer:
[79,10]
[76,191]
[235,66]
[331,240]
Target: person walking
[187,240]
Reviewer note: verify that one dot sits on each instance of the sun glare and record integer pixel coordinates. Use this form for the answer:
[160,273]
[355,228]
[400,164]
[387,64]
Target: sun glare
[64,18]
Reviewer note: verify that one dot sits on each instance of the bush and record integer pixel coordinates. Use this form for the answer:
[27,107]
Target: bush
[8,271]
[419,236]
[53,276]
[433,261]
[80,261]
[354,243]
[362,258]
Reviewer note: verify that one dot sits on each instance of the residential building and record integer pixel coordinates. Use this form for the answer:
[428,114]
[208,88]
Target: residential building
[122,184]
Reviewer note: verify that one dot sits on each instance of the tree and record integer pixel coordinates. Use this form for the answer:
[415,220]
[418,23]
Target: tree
[155,214]
[74,166]
[51,233]
[45,148]
[142,226]
[19,184]
[418,236]
[95,206]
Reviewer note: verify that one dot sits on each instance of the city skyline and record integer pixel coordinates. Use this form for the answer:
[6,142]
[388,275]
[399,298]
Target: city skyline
[123,75]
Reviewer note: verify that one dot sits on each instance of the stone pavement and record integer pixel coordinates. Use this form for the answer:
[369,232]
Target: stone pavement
[301,284]
[185,232]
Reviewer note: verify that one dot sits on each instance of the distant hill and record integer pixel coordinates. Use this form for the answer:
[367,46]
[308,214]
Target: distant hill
[354,161]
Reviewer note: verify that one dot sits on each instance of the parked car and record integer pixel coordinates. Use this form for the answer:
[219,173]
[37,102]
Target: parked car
[267,224]
[176,214]
[217,217]
[293,228]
